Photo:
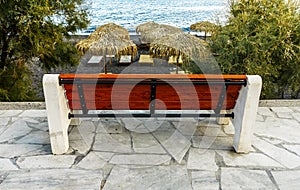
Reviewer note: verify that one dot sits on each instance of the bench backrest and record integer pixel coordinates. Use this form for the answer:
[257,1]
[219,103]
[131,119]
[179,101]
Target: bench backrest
[137,91]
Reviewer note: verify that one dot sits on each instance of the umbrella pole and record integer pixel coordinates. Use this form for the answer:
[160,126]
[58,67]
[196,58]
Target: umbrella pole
[105,67]
[177,59]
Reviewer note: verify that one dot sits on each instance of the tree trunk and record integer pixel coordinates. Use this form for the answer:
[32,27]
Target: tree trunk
[4,50]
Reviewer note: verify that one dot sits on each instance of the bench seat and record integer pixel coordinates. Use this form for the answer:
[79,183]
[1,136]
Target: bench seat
[70,96]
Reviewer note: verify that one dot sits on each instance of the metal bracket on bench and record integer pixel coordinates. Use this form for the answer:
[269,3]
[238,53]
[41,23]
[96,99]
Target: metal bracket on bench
[153,96]
[146,115]
[81,97]
[221,99]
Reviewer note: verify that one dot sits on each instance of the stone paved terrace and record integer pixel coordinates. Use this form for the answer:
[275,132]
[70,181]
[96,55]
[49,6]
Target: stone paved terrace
[185,154]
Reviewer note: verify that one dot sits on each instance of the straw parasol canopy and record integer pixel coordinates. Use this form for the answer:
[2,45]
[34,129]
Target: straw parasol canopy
[109,39]
[115,29]
[146,26]
[109,30]
[159,31]
[179,45]
[203,26]
[151,30]
[109,44]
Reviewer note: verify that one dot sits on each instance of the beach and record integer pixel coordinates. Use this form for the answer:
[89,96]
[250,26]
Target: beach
[160,66]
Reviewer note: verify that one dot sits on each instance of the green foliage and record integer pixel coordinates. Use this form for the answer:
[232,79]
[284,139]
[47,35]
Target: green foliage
[262,37]
[37,28]
[15,82]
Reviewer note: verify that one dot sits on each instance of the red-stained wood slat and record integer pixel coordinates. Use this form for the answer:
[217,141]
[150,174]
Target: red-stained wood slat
[158,76]
[170,105]
[136,96]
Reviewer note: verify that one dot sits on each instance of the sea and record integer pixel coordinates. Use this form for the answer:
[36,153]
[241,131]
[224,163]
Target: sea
[130,13]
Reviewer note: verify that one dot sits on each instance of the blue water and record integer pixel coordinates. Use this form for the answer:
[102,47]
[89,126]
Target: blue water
[130,13]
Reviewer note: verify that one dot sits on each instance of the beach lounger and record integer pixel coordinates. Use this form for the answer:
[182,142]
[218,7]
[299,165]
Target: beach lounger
[125,59]
[178,72]
[173,60]
[146,59]
[94,60]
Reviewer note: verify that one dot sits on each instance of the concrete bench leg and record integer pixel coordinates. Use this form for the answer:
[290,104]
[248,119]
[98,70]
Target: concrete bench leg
[57,113]
[245,113]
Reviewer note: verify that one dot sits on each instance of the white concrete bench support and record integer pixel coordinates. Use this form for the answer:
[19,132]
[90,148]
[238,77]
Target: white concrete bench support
[57,113]
[245,113]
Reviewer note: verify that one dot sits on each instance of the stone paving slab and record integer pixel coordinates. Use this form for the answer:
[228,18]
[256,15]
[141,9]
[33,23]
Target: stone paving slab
[3,128]
[46,161]
[150,154]
[17,129]
[214,143]
[238,178]
[53,179]
[118,143]
[252,159]
[281,109]
[281,155]
[140,159]
[204,180]
[287,179]
[110,126]
[174,143]
[146,143]
[187,127]
[4,121]
[201,159]
[11,113]
[33,113]
[157,177]
[284,129]
[81,137]
[296,116]
[210,131]
[92,161]
[7,165]
[293,148]
[35,137]
[16,150]
[265,111]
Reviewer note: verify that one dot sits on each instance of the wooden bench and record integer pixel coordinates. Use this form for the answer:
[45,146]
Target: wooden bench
[71,96]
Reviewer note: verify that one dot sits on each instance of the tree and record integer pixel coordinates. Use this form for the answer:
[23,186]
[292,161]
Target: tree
[262,37]
[35,28]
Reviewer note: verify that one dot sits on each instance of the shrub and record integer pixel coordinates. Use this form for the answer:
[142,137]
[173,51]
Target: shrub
[262,37]
[35,28]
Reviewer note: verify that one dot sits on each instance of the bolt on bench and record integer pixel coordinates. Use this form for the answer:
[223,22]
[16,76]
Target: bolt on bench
[72,96]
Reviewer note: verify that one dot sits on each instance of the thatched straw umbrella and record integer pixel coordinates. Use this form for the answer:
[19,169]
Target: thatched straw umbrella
[112,30]
[115,29]
[146,26]
[179,44]
[157,32]
[203,26]
[106,40]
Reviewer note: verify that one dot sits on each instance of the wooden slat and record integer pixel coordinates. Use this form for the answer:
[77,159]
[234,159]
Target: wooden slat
[163,92]
[172,96]
[143,105]
[157,76]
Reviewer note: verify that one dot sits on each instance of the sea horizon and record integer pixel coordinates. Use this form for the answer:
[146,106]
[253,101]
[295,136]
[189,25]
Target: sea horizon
[130,13]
